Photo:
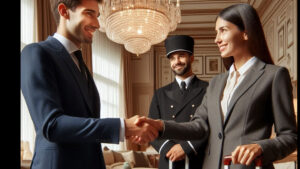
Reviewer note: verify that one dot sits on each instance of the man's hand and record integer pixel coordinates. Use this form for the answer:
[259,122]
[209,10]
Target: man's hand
[158,124]
[142,121]
[143,131]
[176,153]
[245,154]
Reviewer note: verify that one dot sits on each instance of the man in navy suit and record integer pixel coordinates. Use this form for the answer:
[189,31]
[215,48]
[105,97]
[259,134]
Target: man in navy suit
[62,98]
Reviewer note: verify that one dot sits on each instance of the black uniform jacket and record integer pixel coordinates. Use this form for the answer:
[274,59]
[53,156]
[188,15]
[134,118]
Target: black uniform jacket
[169,103]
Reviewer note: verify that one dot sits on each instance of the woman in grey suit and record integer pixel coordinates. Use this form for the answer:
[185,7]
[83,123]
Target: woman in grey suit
[241,105]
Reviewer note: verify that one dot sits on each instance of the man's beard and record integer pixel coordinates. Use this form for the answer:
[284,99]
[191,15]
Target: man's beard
[184,70]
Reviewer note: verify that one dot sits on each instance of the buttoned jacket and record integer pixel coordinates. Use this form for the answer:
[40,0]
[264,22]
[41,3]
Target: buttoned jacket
[263,99]
[169,103]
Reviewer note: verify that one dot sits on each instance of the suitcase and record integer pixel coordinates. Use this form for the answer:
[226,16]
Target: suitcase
[227,162]
[186,166]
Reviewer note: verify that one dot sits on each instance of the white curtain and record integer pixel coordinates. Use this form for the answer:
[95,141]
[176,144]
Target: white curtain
[108,76]
[28,35]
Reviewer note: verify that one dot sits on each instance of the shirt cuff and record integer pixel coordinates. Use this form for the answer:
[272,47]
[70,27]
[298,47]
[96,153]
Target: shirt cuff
[192,147]
[122,130]
[162,146]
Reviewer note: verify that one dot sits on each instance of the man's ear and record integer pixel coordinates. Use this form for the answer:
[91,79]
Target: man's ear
[192,58]
[245,36]
[63,10]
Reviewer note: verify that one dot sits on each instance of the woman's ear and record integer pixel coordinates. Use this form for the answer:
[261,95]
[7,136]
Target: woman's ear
[245,36]
[63,11]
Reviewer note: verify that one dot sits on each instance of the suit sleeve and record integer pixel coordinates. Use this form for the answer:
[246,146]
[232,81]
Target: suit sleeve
[41,91]
[285,141]
[161,145]
[192,147]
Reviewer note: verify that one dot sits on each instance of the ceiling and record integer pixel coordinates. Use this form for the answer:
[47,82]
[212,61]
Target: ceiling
[198,17]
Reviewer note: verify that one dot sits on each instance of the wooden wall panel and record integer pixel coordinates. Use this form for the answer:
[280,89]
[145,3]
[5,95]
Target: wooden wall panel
[142,82]
[280,26]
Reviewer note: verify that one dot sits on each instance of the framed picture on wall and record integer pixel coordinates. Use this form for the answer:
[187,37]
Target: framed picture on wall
[197,65]
[289,33]
[212,64]
[281,42]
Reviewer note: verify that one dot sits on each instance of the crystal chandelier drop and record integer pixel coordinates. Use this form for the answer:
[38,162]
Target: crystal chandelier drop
[138,24]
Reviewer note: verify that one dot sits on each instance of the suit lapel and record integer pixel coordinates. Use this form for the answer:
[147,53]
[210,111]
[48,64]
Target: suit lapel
[94,94]
[174,92]
[219,93]
[176,95]
[253,75]
[63,53]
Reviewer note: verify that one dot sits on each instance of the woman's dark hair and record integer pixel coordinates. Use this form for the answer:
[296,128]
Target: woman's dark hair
[245,17]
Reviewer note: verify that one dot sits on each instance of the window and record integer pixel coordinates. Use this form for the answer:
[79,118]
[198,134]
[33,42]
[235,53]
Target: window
[108,73]
[28,35]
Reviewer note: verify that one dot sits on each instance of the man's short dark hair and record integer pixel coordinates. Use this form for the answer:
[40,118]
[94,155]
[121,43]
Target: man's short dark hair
[71,4]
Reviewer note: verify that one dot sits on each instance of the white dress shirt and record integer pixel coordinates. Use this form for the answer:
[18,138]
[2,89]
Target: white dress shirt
[71,48]
[234,79]
[187,80]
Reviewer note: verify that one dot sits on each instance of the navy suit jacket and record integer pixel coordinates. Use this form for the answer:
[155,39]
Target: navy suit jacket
[64,110]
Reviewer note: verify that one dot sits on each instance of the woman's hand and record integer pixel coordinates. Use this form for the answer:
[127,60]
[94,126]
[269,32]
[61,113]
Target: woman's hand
[245,154]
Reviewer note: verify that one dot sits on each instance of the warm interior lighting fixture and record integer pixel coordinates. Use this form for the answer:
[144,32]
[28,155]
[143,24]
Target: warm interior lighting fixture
[138,24]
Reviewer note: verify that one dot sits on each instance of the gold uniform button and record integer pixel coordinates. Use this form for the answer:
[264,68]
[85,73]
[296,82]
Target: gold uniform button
[173,116]
[171,106]
[193,105]
[191,116]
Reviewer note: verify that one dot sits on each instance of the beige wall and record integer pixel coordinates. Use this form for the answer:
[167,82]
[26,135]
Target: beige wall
[142,82]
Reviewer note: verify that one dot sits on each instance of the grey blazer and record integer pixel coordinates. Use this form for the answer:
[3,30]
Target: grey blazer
[262,99]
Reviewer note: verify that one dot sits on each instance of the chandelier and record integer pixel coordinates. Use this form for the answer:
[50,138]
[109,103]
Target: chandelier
[138,24]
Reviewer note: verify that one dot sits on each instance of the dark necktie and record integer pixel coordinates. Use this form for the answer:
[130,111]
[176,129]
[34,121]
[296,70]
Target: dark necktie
[81,63]
[183,87]
[87,83]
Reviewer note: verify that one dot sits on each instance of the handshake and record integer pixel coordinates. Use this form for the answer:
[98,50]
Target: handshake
[142,130]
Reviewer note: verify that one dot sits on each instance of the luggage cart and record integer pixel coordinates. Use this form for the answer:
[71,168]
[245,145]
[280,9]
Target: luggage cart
[186,165]
[227,161]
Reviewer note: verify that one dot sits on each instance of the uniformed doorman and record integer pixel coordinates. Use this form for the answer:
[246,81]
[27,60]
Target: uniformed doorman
[178,101]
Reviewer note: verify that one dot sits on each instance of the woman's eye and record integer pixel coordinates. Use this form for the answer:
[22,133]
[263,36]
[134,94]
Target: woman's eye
[224,30]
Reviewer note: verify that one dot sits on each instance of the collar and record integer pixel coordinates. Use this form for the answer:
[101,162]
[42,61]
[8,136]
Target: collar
[186,80]
[246,66]
[69,45]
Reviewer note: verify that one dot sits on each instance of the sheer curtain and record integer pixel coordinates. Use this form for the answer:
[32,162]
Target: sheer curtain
[28,35]
[108,76]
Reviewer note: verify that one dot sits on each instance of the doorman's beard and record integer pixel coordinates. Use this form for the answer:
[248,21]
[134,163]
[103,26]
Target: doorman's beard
[186,68]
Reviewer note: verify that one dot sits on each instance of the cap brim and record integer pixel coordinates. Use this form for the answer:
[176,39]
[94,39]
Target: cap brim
[178,50]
